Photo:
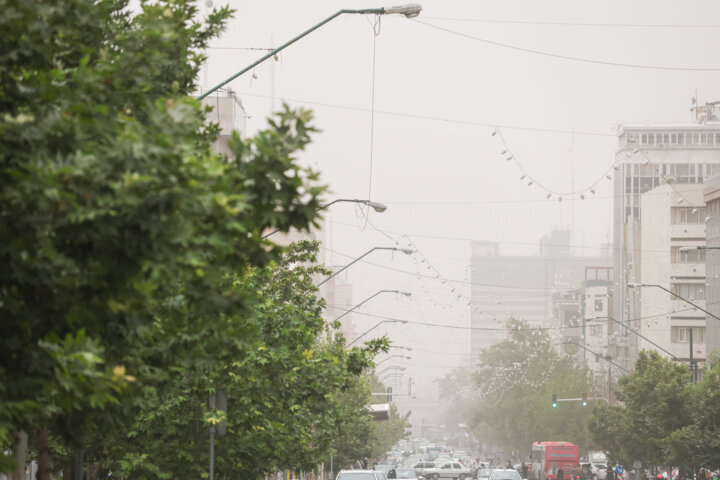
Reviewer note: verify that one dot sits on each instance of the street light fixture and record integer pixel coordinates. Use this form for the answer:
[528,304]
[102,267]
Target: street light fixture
[596,354]
[693,362]
[377,206]
[409,11]
[638,334]
[401,347]
[406,251]
[389,367]
[392,356]
[407,294]
[638,285]
[374,327]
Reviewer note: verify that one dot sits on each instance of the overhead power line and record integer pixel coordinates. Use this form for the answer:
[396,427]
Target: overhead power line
[577,24]
[565,57]
[432,118]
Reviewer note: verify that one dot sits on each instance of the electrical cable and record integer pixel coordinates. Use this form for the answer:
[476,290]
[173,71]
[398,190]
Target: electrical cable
[575,24]
[565,57]
[434,118]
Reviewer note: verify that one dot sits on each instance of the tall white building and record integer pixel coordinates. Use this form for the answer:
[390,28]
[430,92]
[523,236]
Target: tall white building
[655,160]
[674,218]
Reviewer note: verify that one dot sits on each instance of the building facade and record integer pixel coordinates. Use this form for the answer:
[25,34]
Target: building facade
[674,221]
[542,290]
[648,157]
[712,264]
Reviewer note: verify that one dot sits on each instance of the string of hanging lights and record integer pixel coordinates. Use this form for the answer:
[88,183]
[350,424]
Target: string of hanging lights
[525,176]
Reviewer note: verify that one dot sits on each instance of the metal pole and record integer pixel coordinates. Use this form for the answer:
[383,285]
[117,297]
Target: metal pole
[641,336]
[678,296]
[332,468]
[287,44]
[212,453]
[692,360]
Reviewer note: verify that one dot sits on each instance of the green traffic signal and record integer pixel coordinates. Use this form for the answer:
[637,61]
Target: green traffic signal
[584,400]
[554,400]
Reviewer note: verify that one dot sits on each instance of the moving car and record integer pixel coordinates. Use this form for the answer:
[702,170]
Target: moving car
[360,475]
[453,470]
[504,474]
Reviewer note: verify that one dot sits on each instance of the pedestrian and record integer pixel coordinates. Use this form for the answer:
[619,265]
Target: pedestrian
[509,465]
[610,473]
[524,470]
[561,474]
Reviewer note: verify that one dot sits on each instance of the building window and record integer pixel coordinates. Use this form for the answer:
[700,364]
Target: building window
[598,304]
[692,256]
[682,335]
[596,330]
[690,291]
[688,215]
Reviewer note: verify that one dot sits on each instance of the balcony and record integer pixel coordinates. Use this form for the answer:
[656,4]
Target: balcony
[687,270]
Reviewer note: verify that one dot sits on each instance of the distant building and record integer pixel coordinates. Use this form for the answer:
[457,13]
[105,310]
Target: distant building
[229,113]
[539,289]
[651,162]
[712,264]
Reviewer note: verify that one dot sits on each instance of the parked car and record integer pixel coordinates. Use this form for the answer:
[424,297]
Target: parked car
[453,470]
[421,467]
[360,475]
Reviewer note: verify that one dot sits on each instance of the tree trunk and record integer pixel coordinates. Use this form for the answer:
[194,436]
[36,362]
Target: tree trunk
[43,472]
[20,452]
[67,469]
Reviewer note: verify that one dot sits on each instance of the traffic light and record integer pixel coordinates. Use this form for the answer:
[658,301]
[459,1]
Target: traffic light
[554,402]
[389,394]
[584,400]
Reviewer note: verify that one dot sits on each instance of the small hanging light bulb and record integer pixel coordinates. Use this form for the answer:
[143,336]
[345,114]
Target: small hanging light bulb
[530,183]
[503,152]
[493,133]
[592,190]
[559,199]
[548,195]
[522,177]
[509,158]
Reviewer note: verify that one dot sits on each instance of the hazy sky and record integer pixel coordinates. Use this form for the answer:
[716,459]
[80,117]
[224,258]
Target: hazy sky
[438,92]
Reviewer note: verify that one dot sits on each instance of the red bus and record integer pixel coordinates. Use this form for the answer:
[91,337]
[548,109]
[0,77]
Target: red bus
[549,457]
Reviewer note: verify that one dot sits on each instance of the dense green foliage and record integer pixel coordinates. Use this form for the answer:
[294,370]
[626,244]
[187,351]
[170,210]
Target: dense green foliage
[507,399]
[664,420]
[135,281]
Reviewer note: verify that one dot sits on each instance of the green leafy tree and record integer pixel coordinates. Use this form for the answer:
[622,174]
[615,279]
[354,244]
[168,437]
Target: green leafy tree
[511,390]
[654,404]
[284,379]
[696,444]
[117,215]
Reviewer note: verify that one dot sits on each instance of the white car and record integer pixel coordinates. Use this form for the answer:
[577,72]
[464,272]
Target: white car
[453,470]
[360,475]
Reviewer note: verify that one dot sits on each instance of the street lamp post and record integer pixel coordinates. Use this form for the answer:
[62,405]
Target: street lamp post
[410,11]
[389,367]
[406,251]
[401,347]
[377,206]
[638,285]
[407,294]
[638,334]
[610,363]
[392,356]
[597,355]
[374,327]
